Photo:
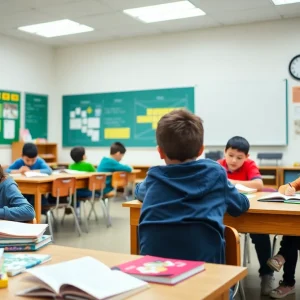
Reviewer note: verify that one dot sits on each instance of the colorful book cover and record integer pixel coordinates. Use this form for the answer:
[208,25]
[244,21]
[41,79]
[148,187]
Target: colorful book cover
[158,266]
[23,261]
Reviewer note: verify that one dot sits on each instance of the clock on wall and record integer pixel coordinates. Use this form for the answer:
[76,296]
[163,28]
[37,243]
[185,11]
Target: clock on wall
[294,67]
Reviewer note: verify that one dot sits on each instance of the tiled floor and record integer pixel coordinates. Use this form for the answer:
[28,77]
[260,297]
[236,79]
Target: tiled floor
[116,239]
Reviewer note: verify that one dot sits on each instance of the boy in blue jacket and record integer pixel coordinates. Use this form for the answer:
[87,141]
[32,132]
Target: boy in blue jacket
[112,164]
[13,205]
[185,201]
[30,162]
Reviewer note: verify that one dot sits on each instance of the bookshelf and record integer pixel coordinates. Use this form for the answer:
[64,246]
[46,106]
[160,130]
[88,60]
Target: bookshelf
[47,151]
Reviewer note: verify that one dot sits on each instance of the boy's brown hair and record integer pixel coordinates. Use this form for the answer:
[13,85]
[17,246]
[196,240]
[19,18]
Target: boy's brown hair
[180,134]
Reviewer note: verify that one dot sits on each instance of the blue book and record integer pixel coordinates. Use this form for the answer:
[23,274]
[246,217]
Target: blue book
[17,263]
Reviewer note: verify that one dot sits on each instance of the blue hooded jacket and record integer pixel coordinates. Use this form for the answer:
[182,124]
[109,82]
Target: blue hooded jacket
[13,205]
[183,206]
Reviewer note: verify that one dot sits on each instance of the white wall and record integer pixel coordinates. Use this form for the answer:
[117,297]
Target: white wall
[25,67]
[255,51]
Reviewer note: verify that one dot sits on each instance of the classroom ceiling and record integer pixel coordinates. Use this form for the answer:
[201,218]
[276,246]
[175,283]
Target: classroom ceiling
[110,23]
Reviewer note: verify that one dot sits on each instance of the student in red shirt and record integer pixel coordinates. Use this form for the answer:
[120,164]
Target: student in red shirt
[240,169]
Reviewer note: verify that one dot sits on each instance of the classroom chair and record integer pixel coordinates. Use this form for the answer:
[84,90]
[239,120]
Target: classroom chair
[62,187]
[119,181]
[96,186]
[233,255]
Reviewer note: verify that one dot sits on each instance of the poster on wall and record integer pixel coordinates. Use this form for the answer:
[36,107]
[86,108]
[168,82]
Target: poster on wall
[36,115]
[9,116]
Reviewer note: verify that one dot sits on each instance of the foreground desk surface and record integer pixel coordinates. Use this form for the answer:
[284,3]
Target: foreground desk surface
[262,217]
[38,186]
[208,285]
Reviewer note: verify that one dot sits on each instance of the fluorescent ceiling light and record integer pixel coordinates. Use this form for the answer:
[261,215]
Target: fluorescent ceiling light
[56,28]
[165,12]
[282,2]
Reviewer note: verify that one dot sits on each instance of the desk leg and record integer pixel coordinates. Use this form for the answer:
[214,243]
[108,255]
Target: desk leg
[38,204]
[134,247]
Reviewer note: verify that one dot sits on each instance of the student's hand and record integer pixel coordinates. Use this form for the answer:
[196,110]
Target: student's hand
[24,169]
[290,191]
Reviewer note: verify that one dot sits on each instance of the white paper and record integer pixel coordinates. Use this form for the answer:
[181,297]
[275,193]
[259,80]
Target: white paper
[35,174]
[90,132]
[75,124]
[84,121]
[244,189]
[84,129]
[72,114]
[10,111]
[98,112]
[94,123]
[83,114]
[78,110]
[21,229]
[95,136]
[56,275]
[9,129]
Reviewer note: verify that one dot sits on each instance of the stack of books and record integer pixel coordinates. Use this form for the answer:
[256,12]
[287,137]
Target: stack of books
[16,237]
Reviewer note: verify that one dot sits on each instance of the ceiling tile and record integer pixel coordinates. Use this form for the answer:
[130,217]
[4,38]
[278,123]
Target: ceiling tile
[24,18]
[77,9]
[290,10]
[186,24]
[230,5]
[246,16]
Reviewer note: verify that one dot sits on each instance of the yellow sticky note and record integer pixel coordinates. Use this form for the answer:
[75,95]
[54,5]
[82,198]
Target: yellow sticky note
[14,97]
[6,96]
[144,119]
[117,133]
[149,111]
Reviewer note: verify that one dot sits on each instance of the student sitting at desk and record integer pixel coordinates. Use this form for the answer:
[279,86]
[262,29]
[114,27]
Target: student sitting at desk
[112,164]
[288,253]
[13,205]
[30,162]
[187,197]
[241,169]
[79,157]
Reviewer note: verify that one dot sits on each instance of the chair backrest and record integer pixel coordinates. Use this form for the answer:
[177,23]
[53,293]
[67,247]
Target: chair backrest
[97,182]
[190,241]
[119,179]
[232,249]
[271,190]
[63,187]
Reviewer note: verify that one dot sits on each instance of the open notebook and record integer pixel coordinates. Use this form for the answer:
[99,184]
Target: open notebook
[278,197]
[244,189]
[82,278]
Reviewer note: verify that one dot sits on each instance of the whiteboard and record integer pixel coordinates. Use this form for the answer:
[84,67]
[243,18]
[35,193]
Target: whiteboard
[256,110]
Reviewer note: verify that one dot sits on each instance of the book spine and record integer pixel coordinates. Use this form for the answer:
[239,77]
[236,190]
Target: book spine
[18,248]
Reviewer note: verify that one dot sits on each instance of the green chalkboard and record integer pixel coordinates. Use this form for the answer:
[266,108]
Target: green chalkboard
[129,117]
[9,116]
[36,115]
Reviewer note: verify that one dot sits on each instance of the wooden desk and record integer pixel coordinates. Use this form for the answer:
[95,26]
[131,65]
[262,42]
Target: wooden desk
[38,186]
[262,217]
[208,285]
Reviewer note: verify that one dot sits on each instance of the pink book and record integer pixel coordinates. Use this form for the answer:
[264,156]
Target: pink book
[161,270]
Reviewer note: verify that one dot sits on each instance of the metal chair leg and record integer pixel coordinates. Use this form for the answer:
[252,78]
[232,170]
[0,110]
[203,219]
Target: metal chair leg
[50,224]
[248,248]
[241,290]
[82,204]
[107,204]
[274,245]
[76,220]
[245,250]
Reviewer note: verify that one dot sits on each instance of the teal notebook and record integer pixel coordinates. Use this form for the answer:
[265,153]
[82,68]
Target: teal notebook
[17,263]
[278,197]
